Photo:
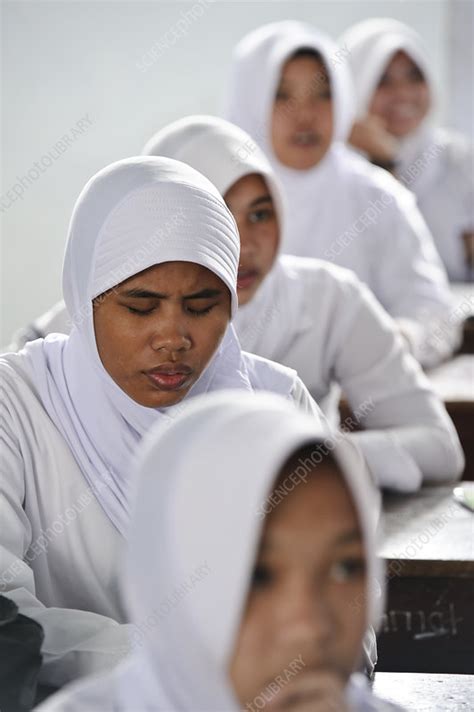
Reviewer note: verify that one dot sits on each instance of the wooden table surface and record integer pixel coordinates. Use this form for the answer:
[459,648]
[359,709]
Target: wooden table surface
[428,545]
[428,532]
[419,692]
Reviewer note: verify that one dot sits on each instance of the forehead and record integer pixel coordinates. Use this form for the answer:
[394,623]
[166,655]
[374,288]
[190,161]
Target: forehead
[297,69]
[247,188]
[401,60]
[173,277]
[317,510]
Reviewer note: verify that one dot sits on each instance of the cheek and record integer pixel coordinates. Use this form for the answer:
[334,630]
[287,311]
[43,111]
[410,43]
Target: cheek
[247,668]
[207,333]
[350,608]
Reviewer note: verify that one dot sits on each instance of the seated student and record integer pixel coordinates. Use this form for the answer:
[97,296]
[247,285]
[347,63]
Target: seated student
[251,573]
[396,99]
[290,90]
[149,279]
[318,318]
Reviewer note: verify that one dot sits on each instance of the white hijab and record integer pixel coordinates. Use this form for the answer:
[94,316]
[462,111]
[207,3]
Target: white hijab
[435,164]
[258,60]
[199,509]
[132,215]
[225,153]
[372,44]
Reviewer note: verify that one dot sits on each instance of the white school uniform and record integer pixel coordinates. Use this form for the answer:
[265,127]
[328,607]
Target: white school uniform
[68,432]
[187,596]
[436,164]
[344,209]
[322,321]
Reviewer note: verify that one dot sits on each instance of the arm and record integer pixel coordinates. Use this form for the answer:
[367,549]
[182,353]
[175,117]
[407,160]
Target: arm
[302,398]
[411,281]
[409,437]
[76,642]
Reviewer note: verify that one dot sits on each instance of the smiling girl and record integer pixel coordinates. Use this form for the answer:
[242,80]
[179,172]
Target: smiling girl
[290,89]
[396,100]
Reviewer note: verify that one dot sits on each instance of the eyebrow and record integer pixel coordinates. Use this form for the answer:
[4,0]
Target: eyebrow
[261,199]
[148,294]
[347,537]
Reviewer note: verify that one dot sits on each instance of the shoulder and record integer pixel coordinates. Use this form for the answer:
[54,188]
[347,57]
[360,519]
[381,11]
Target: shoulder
[15,372]
[456,151]
[323,285]
[266,375]
[19,395]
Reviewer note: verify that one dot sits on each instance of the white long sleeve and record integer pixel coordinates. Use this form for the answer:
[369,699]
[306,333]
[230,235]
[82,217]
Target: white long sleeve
[335,333]
[58,551]
[408,277]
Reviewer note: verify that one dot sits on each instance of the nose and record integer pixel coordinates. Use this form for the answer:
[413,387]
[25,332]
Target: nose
[307,620]
[248,242]
[171,335]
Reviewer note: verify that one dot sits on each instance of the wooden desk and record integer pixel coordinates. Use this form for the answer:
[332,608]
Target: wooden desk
[417,692]
[428,544]
[453,381]
[463,297]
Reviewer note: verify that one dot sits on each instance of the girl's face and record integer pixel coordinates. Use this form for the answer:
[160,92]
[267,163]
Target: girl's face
[302,121]
[301,633]
[157,331]
[402,98]
[251,204]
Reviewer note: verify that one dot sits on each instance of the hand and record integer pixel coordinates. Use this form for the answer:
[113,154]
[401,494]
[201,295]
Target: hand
[321,692]
[370,135]
[468,239]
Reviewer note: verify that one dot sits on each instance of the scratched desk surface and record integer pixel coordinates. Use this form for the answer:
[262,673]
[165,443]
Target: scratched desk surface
[419,692]
[428,531]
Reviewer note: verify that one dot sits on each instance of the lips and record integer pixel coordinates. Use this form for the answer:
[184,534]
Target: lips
[170,377]
[246,278]
[304,139]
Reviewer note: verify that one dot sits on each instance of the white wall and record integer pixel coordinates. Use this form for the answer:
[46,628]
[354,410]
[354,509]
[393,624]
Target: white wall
[65,60]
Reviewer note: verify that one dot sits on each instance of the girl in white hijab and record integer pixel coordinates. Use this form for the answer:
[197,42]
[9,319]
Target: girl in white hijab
[290,90]
[149,280]
[395,100]
[318,318]
[251,572]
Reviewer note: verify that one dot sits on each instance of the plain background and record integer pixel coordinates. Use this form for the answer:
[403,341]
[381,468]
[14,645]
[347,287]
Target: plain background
[62,60]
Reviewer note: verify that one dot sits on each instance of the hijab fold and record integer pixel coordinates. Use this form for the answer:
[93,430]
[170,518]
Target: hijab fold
[132,215]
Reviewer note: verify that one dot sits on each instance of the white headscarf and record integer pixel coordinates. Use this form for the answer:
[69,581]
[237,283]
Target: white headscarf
[211,495]
[372,44]
[437,165]
[258,60]
[132,215]
[196,525]
[225,153]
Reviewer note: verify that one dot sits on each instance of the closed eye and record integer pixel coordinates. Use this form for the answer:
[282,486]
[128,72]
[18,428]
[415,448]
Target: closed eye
[141,312]
[200,312]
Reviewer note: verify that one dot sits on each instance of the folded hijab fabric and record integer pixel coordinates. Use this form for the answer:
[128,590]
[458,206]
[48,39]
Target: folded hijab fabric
[436,164]
[344,209]
[202,504]
[318,319]
[114,234]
